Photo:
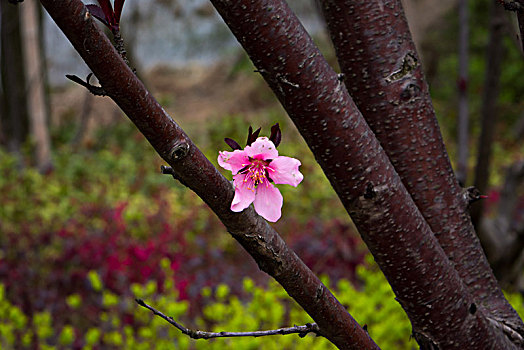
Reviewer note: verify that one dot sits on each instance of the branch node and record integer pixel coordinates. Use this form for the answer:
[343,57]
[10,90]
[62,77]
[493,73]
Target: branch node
[409,64]
[180,150]
[472,308]
[167,170]
[320,292]
[370,191]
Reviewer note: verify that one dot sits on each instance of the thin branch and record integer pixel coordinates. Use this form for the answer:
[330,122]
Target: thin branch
[302,331]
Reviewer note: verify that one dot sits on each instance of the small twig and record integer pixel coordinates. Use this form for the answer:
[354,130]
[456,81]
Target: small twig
[302,331]
[472,194]
[95,90]
[168,171]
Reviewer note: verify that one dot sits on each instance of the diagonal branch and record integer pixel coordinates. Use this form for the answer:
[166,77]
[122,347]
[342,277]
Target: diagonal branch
[385,77]
[302,331]
[196,172]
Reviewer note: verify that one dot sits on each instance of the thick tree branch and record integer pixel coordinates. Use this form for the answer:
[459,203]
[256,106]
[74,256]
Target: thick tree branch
[195,171]
[384,76]
[302,331]
[402,243]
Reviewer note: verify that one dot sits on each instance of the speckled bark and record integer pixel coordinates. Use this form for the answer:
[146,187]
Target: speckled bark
[384,76]
[401,241]
[195,171]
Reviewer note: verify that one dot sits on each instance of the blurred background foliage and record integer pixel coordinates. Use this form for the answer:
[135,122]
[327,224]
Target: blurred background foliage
[79,242]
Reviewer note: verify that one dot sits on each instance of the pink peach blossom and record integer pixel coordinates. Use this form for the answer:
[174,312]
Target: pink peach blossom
[253,170]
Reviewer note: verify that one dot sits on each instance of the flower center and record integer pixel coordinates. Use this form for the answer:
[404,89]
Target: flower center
[257,171]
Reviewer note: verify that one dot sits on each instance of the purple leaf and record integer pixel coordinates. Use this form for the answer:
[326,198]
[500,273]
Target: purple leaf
[249,133]
[98,13]
[252,136]
[276,134]
[119,4]
[108,11]
[232,143]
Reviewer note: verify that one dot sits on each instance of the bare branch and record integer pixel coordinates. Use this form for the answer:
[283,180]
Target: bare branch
[302,331]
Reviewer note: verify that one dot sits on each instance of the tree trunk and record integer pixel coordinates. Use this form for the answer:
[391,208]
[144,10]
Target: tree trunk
[35,85]
[504,234]
[463,117]
[488,110]
[14,109]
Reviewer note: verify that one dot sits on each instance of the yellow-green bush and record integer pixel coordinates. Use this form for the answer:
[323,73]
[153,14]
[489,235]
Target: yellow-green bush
[265,308]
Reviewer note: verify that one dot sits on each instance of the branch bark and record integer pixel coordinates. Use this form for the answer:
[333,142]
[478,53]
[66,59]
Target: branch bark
[196,172]
[361,173]
[385,77]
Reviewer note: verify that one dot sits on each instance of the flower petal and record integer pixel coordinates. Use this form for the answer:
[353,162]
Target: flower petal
[268,201]
[244,193]
[262,148]
[233,161]
[284,170]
